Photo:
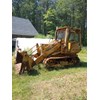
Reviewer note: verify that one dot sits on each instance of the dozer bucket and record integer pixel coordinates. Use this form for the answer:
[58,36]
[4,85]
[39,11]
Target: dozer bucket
[19,58]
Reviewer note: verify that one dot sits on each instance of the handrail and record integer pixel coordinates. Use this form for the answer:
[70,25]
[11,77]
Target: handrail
[36,49]
[31,48]
[40,46]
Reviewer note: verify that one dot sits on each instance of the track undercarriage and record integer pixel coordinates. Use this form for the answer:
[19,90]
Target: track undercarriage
[61,61]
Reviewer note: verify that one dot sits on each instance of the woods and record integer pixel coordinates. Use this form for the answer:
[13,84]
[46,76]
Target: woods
[45,15]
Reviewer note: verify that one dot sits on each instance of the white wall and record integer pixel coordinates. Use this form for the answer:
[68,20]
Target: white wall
[24,43]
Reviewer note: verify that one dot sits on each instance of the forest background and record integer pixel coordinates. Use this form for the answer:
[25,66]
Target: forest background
[46,15]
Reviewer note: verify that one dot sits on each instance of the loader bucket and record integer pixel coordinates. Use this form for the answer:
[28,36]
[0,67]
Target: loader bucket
[19,58]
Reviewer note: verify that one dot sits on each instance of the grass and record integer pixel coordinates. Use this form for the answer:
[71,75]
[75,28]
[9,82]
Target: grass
[62,84]
[48,36]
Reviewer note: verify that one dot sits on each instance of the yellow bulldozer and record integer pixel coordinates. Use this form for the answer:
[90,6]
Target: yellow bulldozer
[61,51]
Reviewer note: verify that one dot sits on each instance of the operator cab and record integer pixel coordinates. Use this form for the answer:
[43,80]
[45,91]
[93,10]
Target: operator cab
[60,35]
[74,37]
[71,38]
[71,35]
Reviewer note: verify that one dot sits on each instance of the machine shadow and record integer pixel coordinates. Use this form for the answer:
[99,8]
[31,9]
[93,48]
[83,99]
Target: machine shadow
[80,65]
[33,72]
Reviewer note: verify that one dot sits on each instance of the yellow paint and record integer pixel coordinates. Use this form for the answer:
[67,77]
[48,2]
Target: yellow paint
[69,46]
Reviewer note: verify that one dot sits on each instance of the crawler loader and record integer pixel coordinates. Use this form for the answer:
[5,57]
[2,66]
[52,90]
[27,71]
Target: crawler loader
[61,51]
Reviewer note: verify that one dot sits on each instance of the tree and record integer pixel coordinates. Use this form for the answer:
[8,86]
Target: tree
[45,15]
[50,21]
[73,13]
[16,5]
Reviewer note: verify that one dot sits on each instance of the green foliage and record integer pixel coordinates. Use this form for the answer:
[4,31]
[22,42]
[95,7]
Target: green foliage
[50,36]
[45,15]
[50,21]
[44,37]
[40,36]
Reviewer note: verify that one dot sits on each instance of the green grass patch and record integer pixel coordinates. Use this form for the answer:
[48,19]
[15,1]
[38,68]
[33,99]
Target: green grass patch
[48,36]
[61,84]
